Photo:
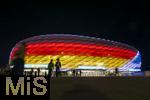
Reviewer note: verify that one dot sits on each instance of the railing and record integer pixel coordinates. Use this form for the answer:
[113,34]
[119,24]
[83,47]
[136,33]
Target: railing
[36,71]
[68,73]
[71,73]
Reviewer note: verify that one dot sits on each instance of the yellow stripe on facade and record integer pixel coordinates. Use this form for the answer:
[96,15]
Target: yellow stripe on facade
[75,61]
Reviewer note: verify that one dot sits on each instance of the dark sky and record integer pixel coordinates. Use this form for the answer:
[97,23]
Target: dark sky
[122,21]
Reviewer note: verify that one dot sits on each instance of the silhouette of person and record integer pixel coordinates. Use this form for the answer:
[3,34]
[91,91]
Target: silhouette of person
[18,64]
[50,67]
[116,71]
[58,66]
[74,72]
[38,71]
[18,61]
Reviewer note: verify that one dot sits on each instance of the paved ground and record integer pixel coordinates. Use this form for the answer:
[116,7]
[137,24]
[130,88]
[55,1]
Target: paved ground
[104,88]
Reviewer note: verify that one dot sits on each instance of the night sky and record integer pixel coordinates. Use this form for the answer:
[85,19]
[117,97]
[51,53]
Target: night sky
[122,21]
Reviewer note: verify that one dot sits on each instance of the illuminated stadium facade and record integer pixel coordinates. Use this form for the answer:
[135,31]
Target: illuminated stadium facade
[78,52]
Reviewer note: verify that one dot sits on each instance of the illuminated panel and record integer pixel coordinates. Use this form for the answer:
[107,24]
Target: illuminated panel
[13,52]
[133,64]
[75,51]
[75,61]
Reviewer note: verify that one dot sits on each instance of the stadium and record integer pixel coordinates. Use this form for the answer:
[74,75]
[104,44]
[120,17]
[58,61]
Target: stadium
[88,54]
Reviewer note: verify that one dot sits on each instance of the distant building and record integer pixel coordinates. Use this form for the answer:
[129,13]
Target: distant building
[79,52]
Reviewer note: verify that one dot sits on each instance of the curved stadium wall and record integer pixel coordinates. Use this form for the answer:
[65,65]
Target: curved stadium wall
[78,52]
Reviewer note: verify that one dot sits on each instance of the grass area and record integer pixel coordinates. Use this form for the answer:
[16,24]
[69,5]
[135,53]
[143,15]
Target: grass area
[100,88]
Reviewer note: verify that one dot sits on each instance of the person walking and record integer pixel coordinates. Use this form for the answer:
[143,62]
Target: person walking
[50,67]
[58,66]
